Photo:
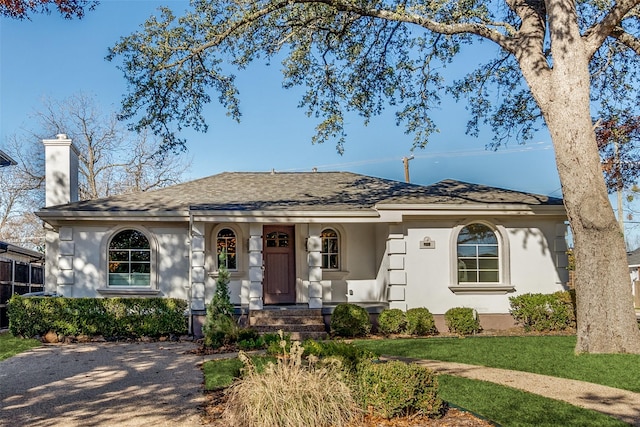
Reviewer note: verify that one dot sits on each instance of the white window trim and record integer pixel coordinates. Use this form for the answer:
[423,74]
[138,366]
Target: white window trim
[341,272]
[150,290]
[504,285]
[214,249]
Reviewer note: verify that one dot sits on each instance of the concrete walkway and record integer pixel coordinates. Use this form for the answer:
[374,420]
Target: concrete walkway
[102,384]
[621,404]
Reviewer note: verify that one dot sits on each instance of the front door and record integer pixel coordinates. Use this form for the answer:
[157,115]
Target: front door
[279,264]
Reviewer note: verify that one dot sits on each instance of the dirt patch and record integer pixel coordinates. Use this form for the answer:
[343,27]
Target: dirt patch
[215,402]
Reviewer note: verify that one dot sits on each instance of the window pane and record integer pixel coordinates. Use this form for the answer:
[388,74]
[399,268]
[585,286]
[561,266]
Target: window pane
[488,251]
[467,251]
[231,262]
[118,255]
[489,276]
[333,261]
[140,268]
[140,279]
[118,267]
[140,256]
[488,264]
[118,279]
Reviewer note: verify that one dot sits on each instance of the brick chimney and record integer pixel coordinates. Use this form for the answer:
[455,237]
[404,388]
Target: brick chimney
[61,171]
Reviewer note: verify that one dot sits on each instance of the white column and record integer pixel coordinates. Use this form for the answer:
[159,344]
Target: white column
[256,272]
[314,261]
[66,251]
[198,275]
[397,251]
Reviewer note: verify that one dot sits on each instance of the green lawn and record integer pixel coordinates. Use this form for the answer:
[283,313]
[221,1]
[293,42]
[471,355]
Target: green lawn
[503,405]
[10,345]
[547,355]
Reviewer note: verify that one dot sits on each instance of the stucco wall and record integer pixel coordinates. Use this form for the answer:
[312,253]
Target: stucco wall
[77,265]
[531,255]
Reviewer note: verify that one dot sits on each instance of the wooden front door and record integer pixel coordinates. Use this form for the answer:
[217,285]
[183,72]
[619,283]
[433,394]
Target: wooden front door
[279,264]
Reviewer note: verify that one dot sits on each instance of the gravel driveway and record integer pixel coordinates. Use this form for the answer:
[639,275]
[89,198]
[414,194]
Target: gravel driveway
[104,384]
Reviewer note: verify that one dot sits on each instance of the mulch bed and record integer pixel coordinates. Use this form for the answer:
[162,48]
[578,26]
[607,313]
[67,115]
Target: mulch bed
[215,402]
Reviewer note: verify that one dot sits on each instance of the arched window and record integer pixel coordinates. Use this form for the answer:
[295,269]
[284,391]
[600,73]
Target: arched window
[226,243]
[129,259]
[330,249]
[478,255]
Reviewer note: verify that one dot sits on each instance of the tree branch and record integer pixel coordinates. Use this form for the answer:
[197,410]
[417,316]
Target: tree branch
[596,35]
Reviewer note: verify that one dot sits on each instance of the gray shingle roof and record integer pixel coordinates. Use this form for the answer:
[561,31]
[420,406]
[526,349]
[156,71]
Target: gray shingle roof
[248,191]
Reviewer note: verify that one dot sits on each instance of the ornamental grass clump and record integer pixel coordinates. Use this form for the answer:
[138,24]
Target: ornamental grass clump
[290,393]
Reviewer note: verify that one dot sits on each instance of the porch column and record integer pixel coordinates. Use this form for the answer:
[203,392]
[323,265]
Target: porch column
[397,251]
[197,267]
[314,260]
[256,272]
[65,280]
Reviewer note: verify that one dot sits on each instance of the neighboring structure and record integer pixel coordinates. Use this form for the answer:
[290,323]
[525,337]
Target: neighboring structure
[5,160]
[313,239]
[21,270]
[633,259]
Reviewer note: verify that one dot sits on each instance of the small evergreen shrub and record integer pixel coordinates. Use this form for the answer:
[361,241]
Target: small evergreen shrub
[350,320]
[219,327]
[396,388]
[462,321]
[420,322]
[391,321]
[290,393]
[250,339]
[544,312]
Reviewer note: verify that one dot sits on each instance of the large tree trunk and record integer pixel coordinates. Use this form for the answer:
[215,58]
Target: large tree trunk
[606,319]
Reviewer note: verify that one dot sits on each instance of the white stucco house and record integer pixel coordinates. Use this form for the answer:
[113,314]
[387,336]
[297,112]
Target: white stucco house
[308,239]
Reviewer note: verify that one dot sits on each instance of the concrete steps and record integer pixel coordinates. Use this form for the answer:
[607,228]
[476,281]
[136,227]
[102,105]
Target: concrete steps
[299,323]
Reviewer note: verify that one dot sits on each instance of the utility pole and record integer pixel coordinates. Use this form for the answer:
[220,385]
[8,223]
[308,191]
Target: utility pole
[405,160]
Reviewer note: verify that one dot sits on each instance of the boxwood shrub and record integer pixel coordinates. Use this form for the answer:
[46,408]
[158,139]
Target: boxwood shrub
[350,320]
[544,312]
[420,322]
[462,320]
[392,321]
[109,317]
[396,388]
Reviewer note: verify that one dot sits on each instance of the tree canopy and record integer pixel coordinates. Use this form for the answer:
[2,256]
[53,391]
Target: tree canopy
[368,55]
[22,9]
[557,63]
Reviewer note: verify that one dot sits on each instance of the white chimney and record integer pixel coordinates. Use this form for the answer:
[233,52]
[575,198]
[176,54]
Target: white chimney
[61,170]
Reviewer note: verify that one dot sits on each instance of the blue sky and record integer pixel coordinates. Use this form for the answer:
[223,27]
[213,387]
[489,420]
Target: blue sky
[52,57]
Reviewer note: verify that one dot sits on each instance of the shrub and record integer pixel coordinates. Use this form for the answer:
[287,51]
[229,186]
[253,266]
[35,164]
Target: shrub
[250,339]
[350,320]
[397,389]
[420,322]
[391,321]
[348,354]
[544,312]
[109,317]
[290,393]
[219,327]
[462,320]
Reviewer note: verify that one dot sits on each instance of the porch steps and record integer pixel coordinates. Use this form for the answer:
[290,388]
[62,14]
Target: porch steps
[300,323]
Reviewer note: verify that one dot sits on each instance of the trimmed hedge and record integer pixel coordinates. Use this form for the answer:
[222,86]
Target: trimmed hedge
[420,322]
[544,312]
[350,320]
[396,388]
[462,320]
[392,321]
[109,317]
